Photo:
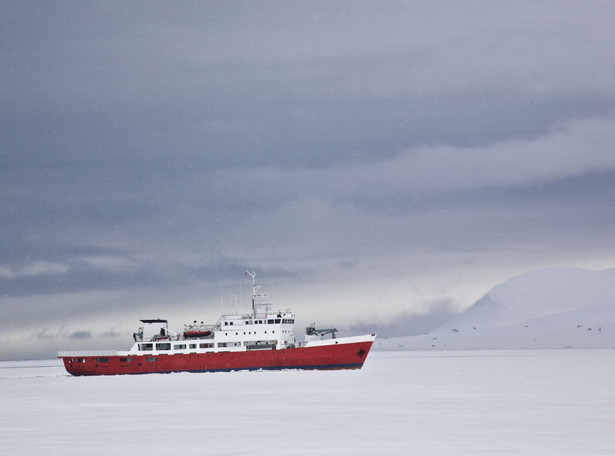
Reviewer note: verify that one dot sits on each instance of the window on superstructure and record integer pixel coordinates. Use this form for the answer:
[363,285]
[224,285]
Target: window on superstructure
[179,346]
[206,345]
[163,346]
[277,320]
[270,322]
[192,345]
[146,347]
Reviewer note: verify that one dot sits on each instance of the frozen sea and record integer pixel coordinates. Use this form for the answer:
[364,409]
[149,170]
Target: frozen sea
[532,402]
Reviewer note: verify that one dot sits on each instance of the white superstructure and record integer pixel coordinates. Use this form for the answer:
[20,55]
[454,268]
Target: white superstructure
[260,329]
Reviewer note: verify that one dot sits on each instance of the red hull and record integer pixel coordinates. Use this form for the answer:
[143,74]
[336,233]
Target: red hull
[342,356]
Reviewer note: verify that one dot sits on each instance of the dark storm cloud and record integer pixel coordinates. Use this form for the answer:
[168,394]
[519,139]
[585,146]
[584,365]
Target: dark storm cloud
[168,146]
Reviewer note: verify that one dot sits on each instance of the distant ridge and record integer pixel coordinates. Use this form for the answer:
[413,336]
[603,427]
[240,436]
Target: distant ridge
[544,308]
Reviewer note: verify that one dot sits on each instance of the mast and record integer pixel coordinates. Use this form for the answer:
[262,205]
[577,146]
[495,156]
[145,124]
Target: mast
[255,296]
[254,288]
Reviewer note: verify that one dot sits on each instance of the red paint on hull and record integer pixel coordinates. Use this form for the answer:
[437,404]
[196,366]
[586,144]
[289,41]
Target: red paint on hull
[342,356]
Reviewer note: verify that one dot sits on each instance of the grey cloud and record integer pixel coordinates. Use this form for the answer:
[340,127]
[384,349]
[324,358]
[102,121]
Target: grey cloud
[80,335]
[151,151]
[44,334]
[354,94]
[120,271]
[111,333]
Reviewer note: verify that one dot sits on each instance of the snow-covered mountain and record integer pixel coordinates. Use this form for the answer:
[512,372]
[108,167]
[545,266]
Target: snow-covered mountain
[545,308]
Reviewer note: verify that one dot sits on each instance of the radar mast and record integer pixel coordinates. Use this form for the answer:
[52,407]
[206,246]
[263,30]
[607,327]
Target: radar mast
[255,288]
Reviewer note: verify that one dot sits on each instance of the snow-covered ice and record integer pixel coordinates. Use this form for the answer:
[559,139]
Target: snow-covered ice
[546,402]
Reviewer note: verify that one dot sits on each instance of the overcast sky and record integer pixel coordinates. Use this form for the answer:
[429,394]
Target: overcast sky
[379,164]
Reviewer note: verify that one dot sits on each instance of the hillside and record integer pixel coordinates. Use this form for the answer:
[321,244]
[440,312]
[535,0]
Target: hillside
[546,308]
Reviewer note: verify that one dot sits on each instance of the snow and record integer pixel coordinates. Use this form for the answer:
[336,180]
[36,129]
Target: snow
[547,402]
[546,308]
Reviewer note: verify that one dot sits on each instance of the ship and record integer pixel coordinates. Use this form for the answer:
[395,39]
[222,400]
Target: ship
[258,340]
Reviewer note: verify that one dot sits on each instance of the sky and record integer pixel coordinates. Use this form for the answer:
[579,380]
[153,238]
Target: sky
[378,164]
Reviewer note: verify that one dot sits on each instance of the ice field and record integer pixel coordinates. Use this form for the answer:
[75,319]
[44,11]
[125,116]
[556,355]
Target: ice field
[533,402]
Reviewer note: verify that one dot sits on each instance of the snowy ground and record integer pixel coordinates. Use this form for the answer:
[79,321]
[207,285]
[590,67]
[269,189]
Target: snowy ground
[546,402]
